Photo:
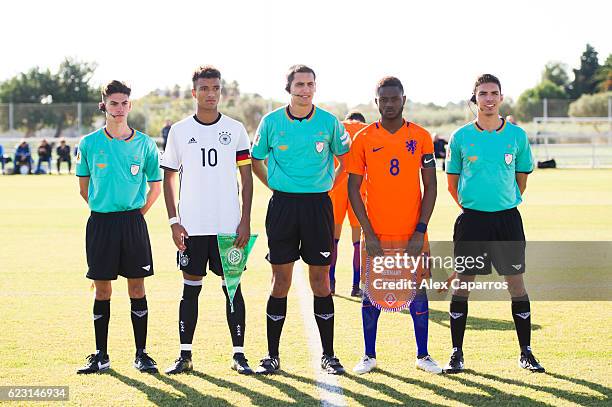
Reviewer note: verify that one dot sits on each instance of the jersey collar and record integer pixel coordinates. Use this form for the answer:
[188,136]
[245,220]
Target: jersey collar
[379,124]
[130,138]
[500,128]
[307,117]
[195,117]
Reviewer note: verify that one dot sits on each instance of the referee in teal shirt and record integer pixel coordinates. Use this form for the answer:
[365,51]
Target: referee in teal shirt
[114,165]
[299,141]
[487,166]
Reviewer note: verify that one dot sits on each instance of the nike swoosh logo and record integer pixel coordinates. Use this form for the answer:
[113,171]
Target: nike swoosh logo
[428,161]
[376,149]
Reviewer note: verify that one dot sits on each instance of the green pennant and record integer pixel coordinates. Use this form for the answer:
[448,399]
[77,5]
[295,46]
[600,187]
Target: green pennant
[233,261]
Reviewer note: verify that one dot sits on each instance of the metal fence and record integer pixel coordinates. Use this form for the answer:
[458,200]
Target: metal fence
[572,142]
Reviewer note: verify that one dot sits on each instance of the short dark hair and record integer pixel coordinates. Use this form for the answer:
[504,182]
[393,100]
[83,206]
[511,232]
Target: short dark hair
[486,78]
[389,81]
[205,71]
[113,87]
[299,68]
[355,116]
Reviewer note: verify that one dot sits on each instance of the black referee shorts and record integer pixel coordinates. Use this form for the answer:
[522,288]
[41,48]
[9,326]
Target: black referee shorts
[300,225]
[485,238]
[117,243]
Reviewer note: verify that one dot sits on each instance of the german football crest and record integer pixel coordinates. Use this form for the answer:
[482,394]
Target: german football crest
[183,259]
[234,256]
[508,158]
[134,169]
[224,137]
[319,145]
[233,261]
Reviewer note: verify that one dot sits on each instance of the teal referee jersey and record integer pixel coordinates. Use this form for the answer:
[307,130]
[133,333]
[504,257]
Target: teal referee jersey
[300,152]
[118,169]
[487,163]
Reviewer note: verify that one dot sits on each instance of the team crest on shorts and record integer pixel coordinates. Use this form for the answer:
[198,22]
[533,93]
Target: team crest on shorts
[183,260]
[319,145]
[134,169]
[224,137]
[508,158]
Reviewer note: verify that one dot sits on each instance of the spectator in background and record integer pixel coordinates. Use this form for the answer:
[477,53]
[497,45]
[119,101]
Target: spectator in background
[44,155]
[165,131]
[2,158]
[511,119]
[23,156]
[440,149]
[63,154]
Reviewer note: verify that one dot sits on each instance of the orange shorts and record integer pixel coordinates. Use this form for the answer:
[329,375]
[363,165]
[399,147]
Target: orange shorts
[340,201]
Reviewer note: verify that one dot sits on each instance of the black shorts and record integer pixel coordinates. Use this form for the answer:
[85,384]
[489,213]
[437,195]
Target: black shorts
[201,251]
[485,238]
[300,225]
[117,243]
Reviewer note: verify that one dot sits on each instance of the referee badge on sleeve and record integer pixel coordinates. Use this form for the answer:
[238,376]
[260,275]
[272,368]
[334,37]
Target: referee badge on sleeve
[508,158]
[134,169]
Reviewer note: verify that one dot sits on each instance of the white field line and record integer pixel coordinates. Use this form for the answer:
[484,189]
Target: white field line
[330,392]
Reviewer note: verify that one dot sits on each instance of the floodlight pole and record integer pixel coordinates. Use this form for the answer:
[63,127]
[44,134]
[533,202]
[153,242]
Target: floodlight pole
[79,117]
[11,117]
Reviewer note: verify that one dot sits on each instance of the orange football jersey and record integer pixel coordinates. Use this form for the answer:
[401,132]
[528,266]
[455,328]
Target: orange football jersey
[390,164]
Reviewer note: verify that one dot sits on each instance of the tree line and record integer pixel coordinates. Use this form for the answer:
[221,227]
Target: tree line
[583,92]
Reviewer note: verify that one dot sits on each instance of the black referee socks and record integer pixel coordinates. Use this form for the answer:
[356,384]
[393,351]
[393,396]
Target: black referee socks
[276,312]
[236,320]
[324,315]
[458,318]
[101,317]
[140,317]
[521,313]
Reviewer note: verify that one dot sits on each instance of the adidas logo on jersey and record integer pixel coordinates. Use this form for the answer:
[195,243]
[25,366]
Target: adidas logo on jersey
[523,315]
[192,141]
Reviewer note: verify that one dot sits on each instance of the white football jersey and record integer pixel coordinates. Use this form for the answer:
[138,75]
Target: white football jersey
[207,157]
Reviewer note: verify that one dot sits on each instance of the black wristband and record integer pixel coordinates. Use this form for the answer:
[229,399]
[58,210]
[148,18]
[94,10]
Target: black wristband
[421,227]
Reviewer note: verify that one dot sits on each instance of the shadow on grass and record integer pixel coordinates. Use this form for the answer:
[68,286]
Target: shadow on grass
[578,398]
[160,397]
[493,396]
[347,298]
[474,323]
[260,399]
[401,399]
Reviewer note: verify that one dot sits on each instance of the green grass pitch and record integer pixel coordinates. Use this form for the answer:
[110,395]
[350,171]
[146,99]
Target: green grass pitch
[46,329]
